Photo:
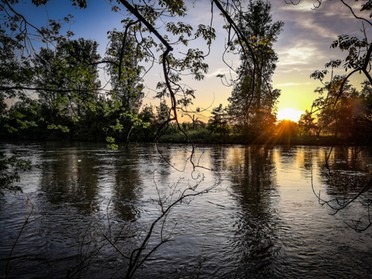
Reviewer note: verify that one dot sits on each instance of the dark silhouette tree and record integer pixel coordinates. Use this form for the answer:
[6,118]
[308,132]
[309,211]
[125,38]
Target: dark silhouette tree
[253,98]
[218,122]
[70,78]
[125,55]
[307,124]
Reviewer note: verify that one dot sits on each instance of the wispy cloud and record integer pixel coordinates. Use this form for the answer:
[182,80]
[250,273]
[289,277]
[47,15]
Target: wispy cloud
[221,71]
[292,84]
[300,54]
[305,6]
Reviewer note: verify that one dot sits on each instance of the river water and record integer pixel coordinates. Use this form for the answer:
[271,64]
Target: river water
[253,212]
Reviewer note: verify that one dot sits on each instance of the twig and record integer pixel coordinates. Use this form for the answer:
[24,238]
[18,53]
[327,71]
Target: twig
[18,236]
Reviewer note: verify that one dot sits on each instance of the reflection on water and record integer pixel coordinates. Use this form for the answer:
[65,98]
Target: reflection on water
[253,184]
[347,176]
[261,220]
[69,177]
[127,185]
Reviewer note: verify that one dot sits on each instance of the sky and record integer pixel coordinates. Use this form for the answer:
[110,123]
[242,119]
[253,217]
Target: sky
[303,46]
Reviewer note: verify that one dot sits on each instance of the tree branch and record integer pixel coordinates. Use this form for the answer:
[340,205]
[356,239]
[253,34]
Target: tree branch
[241,36]
[151,28]
[357,17]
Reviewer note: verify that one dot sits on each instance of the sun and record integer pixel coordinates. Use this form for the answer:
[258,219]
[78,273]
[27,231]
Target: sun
[289,114]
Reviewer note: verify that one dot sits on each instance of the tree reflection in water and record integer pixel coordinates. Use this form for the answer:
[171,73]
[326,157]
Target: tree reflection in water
[347,177]
[70,176]
[256,225]
[93,207]
[127,186]
[252,176]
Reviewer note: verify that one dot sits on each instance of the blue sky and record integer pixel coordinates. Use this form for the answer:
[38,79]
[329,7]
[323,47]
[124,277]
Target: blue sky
[303,45]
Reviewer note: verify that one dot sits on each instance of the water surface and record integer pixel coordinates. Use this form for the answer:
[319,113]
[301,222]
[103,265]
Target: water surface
[88,208]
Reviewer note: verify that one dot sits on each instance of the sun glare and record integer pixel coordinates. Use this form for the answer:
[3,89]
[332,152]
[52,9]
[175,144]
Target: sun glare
[289,114]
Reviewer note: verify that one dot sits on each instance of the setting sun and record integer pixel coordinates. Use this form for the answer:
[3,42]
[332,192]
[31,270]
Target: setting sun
[289,114]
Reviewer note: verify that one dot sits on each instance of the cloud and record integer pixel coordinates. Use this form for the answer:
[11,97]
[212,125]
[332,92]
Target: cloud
[300,54]
[293,84]
[304,6]
[328,21]
[220,71]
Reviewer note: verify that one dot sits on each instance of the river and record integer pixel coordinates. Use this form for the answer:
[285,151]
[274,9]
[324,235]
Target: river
[253,212]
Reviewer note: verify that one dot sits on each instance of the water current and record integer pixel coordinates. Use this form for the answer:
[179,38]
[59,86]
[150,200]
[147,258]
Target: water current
[253,212]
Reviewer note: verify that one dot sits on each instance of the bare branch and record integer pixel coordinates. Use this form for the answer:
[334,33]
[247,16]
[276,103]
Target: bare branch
[355,15]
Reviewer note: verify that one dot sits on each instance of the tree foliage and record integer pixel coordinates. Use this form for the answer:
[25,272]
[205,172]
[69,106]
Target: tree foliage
[307,124]
[62,82]
[346,116]
[253,99]
[63,71]
[218,123]
[124,55]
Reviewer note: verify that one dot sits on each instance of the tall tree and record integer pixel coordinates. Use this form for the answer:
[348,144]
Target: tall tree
[67,82]
[253,98]
[125,55]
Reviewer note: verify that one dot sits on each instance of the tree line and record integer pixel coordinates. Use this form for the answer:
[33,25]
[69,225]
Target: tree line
[57,92]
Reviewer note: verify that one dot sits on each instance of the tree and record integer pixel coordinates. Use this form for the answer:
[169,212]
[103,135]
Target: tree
[22,120]
[253,98]
[124,55]
[147,131]
[346,116]
[218,122]
[67,82]
[307,124]
[286,130]
[363,131]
